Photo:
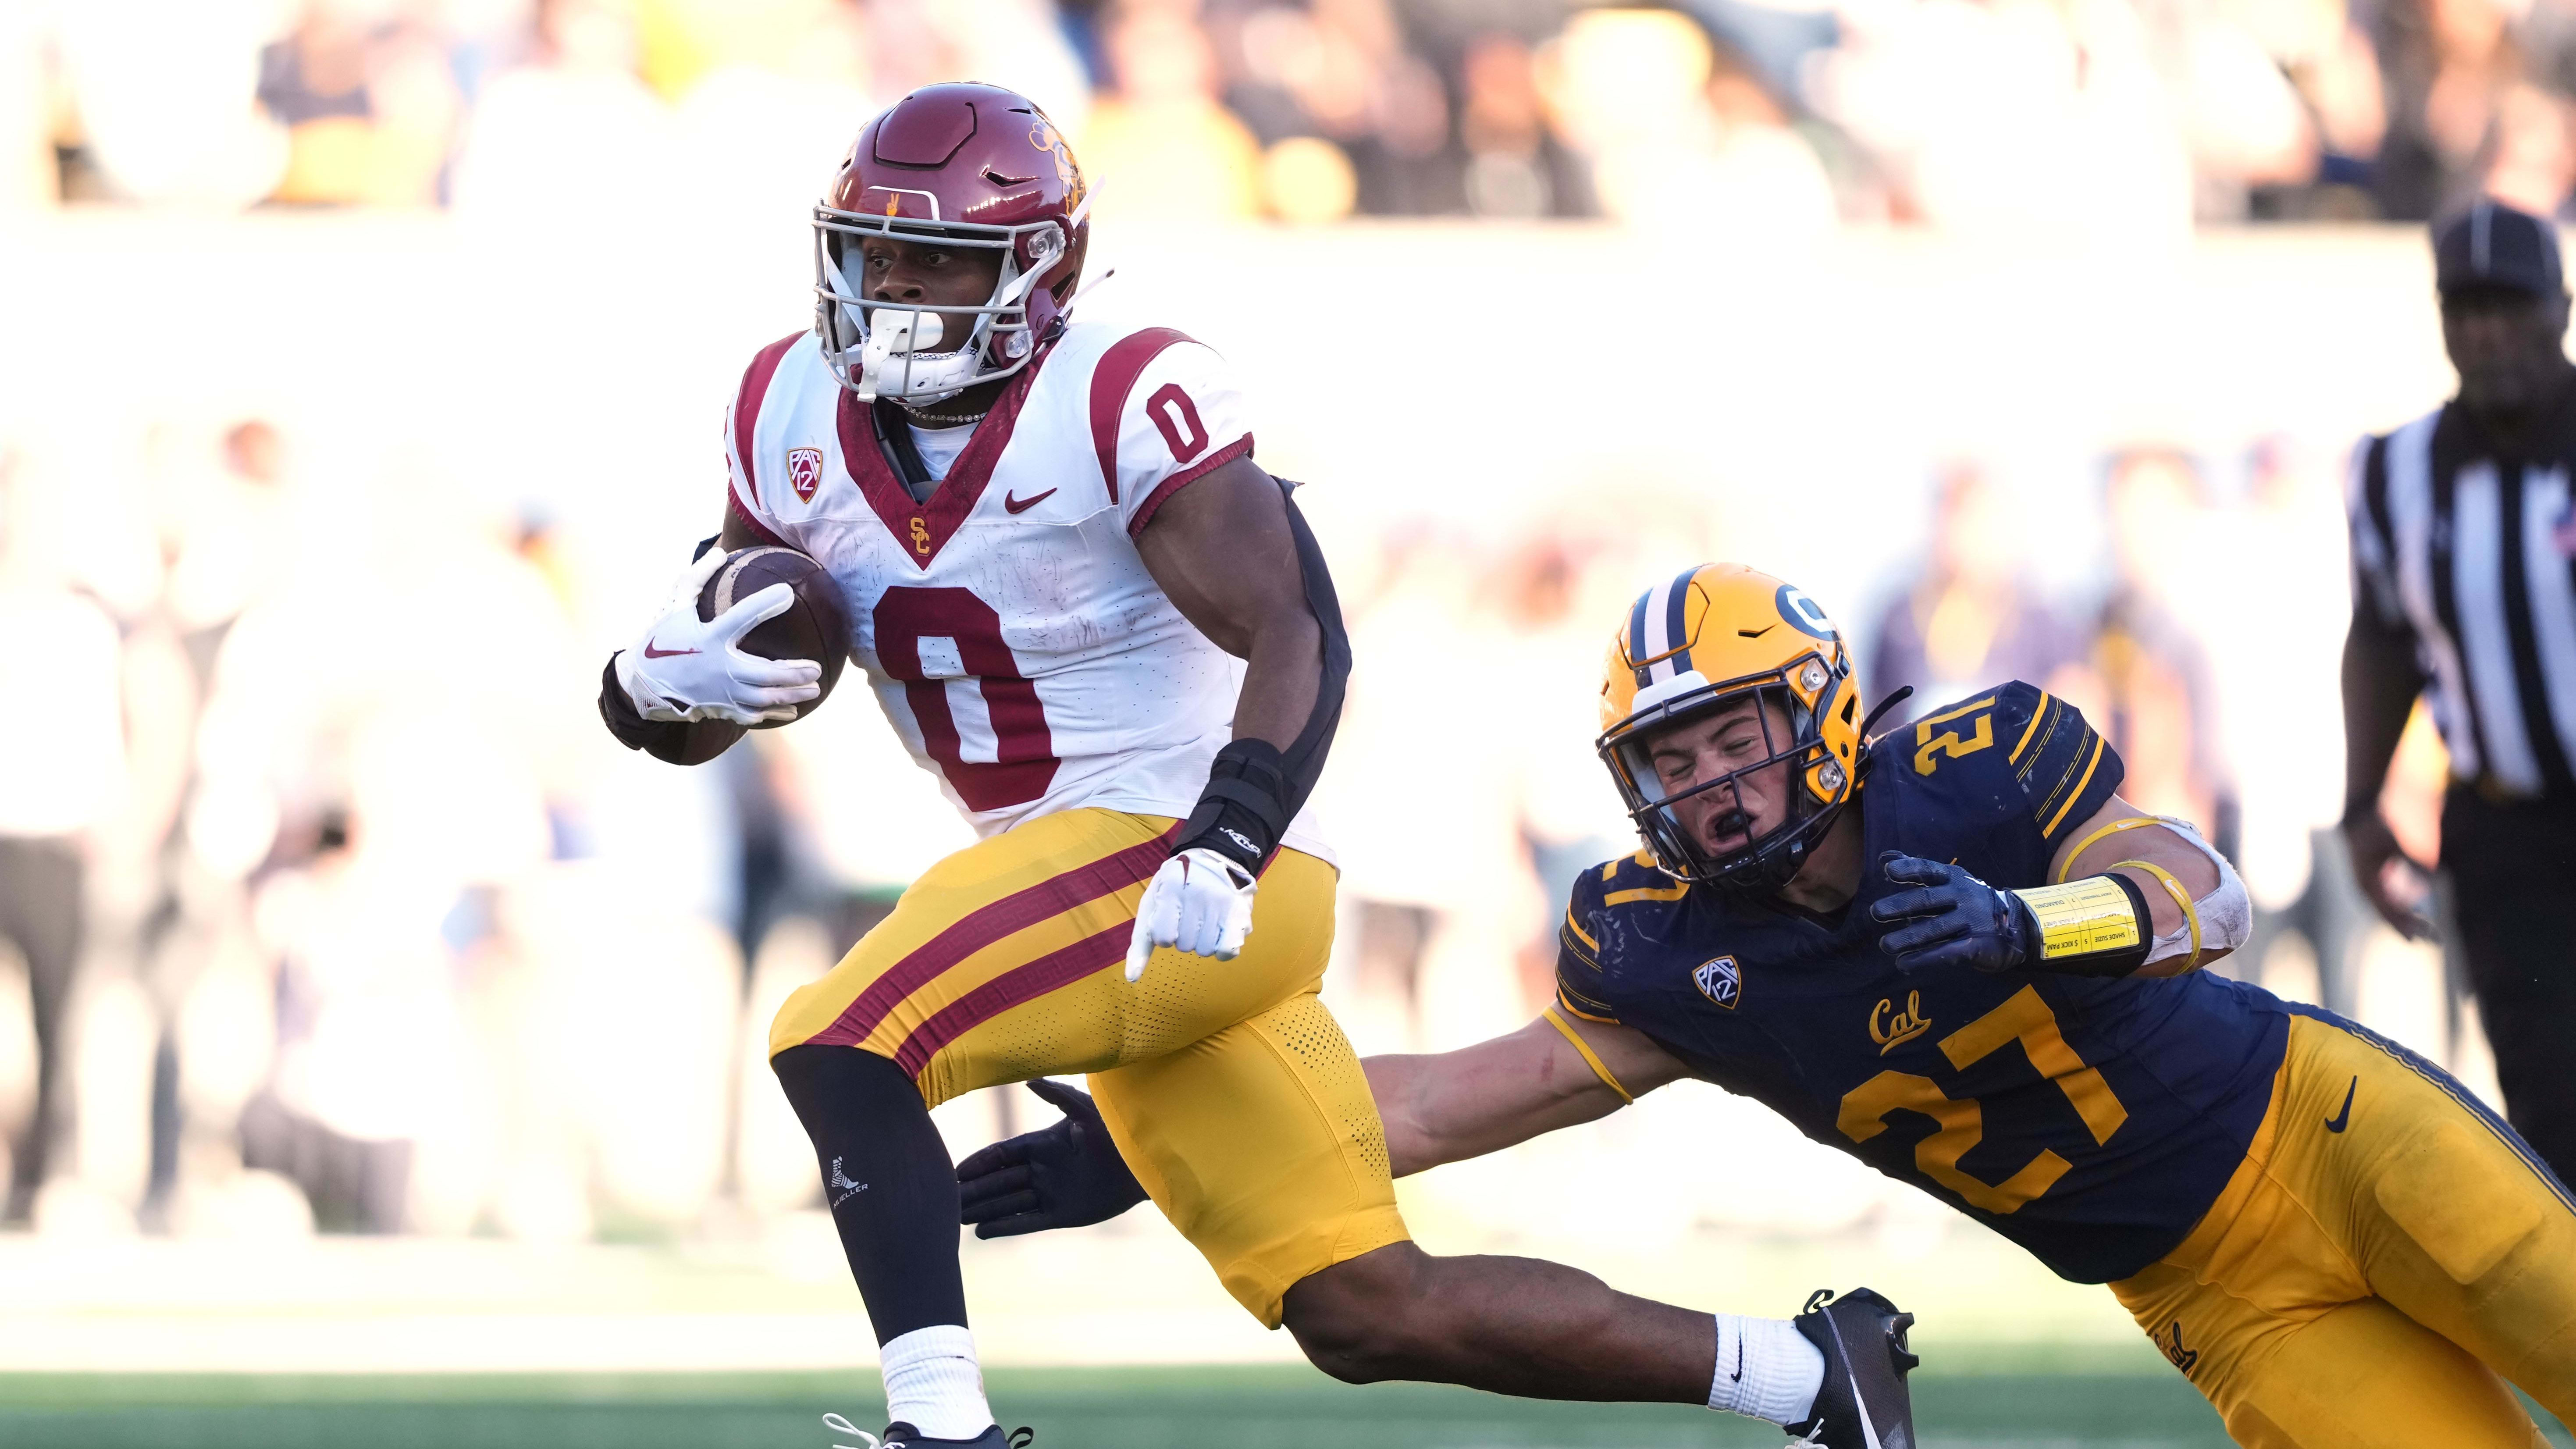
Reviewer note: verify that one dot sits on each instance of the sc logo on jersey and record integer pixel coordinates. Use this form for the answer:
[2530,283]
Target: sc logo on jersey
[1720,981]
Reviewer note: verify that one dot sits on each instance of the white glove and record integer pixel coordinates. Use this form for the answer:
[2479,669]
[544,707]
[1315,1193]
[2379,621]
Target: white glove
[1199,902]
[685,668]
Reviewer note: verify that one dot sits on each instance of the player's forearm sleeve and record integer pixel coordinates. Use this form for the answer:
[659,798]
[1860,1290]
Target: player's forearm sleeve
[1254,787]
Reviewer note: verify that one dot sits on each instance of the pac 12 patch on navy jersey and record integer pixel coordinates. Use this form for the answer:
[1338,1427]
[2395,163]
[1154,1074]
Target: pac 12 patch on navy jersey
[1720,980]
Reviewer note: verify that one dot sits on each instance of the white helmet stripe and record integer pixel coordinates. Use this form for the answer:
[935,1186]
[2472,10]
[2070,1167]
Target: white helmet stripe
[1657,640]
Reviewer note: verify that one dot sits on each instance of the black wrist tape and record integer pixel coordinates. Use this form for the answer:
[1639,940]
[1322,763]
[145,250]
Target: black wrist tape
[2082,928]
[1244,809]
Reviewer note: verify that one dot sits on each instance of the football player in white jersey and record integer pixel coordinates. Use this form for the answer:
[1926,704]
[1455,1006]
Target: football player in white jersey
[1108,633]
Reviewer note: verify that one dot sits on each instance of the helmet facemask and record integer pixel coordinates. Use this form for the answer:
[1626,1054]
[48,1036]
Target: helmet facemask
[1815,785]
[884,349]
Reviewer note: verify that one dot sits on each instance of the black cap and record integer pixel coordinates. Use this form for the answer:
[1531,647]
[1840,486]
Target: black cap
[2493,245]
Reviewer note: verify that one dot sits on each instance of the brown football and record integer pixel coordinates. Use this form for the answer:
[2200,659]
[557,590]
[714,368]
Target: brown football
[816,626]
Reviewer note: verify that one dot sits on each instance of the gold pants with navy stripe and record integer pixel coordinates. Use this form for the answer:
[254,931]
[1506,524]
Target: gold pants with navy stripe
[2388,1256]
[1228,1087]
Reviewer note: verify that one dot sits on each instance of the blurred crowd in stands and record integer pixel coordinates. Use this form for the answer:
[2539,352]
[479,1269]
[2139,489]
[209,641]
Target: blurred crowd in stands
[326,919]
[310,918]
[1776,116]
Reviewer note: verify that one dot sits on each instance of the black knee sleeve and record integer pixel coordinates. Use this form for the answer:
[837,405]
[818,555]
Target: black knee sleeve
[888,1180]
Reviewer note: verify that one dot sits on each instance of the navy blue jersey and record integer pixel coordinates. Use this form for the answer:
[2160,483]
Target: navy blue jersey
[2090,1121]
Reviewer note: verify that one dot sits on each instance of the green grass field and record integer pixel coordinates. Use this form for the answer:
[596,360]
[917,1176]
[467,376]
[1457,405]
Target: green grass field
[2018,1399]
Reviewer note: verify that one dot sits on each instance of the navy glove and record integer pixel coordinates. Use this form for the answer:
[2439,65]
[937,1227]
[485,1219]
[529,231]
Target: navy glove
[1951,918]
[1065,1176]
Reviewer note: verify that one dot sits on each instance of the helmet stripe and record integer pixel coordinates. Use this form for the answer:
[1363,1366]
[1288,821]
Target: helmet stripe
[1652,607]
[1637,637]
[1676,630]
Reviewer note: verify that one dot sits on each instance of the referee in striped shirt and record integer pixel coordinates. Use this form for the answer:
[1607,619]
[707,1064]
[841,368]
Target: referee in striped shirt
[2464,553]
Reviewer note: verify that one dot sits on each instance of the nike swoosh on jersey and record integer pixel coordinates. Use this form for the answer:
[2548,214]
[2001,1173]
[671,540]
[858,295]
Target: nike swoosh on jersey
[650,652]
[2343,1119]
[1023,505]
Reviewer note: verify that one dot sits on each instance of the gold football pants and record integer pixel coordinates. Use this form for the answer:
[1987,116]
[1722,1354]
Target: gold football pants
[2386,1258]
[1228,1087]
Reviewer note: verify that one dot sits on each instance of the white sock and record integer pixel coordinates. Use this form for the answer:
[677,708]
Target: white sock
[933,1383]
[1766,1369]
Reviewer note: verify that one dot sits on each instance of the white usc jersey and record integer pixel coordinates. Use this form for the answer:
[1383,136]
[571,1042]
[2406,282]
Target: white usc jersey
[1008,626]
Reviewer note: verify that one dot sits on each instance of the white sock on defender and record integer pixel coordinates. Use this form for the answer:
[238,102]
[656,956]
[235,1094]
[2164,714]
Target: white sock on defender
[932,1382]
[1766,1369]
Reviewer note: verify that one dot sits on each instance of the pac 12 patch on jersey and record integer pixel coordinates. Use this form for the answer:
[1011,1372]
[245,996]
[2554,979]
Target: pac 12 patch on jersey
[1720,981]
[805,472]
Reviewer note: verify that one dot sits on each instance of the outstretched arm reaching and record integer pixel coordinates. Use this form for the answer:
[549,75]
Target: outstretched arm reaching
[1438,1107]
[1450,1106]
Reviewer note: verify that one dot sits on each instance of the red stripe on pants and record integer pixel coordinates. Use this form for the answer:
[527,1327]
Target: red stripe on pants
[987,924]
[1015,987]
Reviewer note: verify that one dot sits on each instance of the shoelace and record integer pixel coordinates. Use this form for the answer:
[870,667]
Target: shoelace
[1019,1438]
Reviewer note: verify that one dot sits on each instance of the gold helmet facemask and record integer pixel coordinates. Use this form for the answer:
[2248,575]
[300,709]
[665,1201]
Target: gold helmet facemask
[1705,641]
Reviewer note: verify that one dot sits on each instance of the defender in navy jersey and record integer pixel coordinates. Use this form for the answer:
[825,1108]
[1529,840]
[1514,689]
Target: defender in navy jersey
[2090,1120]
[1956,953]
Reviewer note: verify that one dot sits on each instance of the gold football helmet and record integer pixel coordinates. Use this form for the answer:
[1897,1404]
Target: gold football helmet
[1708,637]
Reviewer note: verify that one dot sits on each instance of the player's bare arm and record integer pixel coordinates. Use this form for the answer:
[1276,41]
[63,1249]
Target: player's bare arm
[1223,550]
[1438,1108]
[1234,558]
[1450,1106]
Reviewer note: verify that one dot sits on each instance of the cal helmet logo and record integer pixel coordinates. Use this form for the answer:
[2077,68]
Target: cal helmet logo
[1720,981]
[1803,613]
[805,471]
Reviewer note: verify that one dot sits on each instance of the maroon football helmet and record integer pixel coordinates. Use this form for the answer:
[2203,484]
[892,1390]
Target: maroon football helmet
[963,165]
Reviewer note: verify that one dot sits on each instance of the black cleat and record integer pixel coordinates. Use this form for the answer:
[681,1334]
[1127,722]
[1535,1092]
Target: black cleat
[1863,1404]
[899,1433]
